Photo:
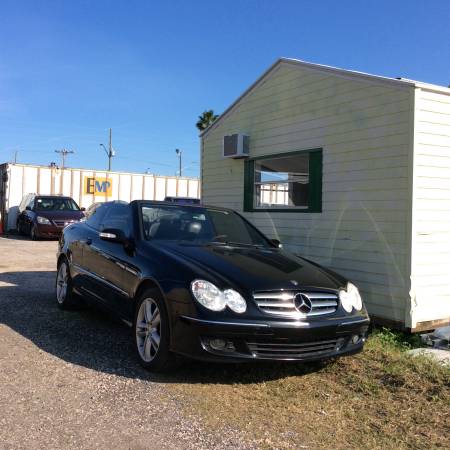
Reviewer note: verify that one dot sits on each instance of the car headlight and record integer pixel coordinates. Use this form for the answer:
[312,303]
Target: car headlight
[211,297]
[42,220]
[235,301]
[350,298]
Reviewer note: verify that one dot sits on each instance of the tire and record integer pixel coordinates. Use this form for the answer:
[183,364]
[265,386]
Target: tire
[20,229]
[151,332]
[65,297]
[33,233]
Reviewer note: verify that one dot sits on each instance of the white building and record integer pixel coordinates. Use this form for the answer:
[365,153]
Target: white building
[85,186]
[350,170]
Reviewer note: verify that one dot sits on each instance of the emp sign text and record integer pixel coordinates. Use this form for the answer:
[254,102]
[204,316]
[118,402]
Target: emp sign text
[98,186]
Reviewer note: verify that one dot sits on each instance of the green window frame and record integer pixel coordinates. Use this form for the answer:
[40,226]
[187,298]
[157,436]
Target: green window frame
[314,203]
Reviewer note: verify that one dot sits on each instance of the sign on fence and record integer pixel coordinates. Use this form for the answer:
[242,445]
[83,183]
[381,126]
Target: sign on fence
[97,186]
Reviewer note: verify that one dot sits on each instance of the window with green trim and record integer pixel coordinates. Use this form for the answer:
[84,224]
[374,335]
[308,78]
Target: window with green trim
[284,182]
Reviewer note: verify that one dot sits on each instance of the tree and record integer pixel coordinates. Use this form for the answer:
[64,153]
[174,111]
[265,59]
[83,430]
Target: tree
[206,119]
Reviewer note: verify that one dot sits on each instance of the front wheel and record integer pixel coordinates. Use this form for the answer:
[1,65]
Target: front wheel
[65,297]
[33,233]
[151,332]
[20,228]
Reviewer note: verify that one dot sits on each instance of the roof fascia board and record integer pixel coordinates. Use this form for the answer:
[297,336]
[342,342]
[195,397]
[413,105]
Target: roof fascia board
[349,74]
[433,88]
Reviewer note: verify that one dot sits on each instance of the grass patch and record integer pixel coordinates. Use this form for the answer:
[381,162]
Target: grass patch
[381,398]
[395,339]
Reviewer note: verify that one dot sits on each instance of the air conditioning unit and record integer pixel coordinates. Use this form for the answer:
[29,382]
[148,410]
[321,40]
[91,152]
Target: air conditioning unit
[235,146]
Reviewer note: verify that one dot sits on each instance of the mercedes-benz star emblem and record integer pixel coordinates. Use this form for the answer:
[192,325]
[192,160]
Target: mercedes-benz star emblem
[303,303]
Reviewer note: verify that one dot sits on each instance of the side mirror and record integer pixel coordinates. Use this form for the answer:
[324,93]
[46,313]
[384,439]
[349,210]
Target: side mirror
[276,243]
[113,235]
[83,209]
[28,208]
[118,236]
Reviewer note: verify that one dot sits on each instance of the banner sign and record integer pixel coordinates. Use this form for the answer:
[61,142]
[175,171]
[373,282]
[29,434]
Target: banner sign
[98,186]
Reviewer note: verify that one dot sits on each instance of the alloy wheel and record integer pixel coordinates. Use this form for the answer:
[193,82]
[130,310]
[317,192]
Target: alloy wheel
[148,329]
[61,283]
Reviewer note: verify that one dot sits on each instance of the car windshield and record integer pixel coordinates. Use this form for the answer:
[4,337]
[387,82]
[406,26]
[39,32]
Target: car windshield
[55,204]
[199,226]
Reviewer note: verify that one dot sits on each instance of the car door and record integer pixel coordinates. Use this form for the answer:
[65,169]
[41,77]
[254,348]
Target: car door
[26,216]
[106,260]
[21,213]
[84,254]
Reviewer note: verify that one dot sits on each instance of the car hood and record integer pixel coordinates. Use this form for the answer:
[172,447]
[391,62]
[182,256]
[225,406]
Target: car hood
[256,269]
[61,215]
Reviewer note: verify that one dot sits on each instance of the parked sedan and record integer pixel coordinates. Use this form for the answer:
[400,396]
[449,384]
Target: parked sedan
[203,282]
[45,216]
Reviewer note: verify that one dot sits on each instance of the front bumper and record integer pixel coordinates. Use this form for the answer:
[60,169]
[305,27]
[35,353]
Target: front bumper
[48,231]
[242,340]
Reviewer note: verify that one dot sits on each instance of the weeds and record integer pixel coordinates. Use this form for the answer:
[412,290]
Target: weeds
[396,339]
[381,398]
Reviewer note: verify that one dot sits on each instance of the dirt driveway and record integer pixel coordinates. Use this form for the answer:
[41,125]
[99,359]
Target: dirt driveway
[69,379]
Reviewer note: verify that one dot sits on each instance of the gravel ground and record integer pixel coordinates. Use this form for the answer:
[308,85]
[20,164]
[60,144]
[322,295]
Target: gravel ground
[70,380]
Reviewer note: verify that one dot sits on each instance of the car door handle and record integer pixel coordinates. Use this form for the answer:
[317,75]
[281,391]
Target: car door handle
[88,241]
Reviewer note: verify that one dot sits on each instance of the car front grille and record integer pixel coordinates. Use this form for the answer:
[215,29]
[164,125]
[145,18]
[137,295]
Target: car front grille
[296,304]
[293,350]
[63,223]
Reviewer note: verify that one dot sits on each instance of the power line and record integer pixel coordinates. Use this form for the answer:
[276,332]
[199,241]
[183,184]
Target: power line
[64,152]
[110,153]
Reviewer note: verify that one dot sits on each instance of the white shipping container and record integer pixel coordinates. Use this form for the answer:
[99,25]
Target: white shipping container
[85,186]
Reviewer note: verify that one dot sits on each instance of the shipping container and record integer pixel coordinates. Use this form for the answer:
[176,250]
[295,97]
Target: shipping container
[85,186]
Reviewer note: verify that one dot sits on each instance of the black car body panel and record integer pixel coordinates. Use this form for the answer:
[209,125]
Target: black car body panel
[111,275]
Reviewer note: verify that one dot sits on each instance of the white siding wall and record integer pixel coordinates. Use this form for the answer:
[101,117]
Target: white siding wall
[24,179]
[431,214]
[365,131]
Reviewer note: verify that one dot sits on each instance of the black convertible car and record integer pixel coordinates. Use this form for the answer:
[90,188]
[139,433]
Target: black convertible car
[203,282]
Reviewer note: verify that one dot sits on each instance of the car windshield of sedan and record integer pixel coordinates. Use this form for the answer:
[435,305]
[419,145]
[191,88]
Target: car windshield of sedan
[198,226]
[55,204]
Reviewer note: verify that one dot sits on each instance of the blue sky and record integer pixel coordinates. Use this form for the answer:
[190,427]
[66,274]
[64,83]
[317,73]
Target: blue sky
[69,70]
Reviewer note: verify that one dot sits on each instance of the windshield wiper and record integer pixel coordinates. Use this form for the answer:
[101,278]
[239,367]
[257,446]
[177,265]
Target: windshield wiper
[239,244]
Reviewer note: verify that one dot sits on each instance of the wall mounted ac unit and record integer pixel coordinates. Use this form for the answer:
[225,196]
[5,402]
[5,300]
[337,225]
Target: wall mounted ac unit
[235,146]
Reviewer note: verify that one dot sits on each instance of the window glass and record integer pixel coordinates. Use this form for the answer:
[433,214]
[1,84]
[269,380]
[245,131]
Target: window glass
[24,203]
[198,225]
[55,204]
[118,216]
[96,215]
[282,182]
[30,202]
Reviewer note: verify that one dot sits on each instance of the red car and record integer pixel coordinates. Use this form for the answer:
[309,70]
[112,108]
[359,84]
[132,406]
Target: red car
[45,216]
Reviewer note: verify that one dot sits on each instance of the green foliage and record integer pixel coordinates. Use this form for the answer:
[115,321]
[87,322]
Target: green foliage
[396,339]
[206,119]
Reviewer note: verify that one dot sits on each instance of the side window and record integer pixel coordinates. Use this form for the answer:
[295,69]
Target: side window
[23,203]
[118,216]
[30,201]
[284,182]
[96,216]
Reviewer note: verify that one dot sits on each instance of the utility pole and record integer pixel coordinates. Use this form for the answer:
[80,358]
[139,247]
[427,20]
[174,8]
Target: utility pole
[179,152]
[64,152]
[110,152]
[15,156]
